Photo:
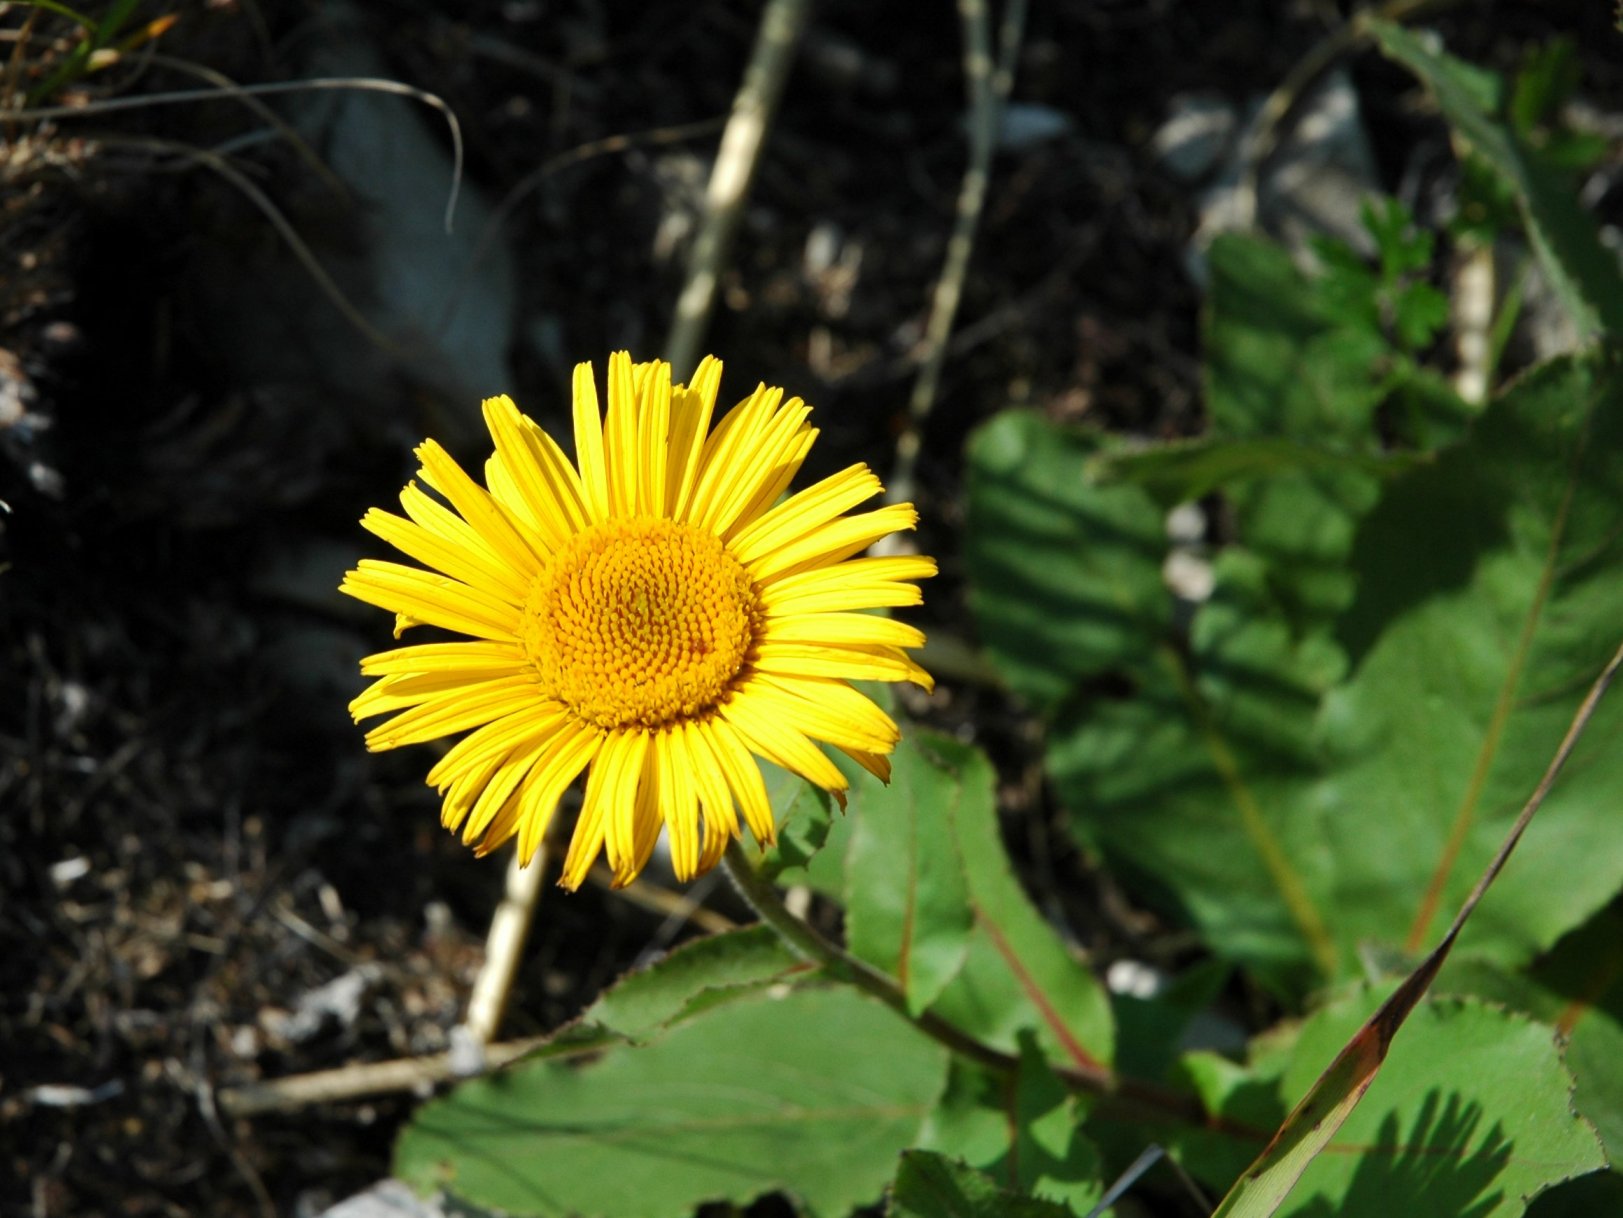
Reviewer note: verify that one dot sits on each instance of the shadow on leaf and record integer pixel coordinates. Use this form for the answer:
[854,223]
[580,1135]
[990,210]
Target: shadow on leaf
[1432,1171]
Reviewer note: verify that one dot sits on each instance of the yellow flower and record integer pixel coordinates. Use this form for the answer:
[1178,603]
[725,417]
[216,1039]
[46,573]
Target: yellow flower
[651,612]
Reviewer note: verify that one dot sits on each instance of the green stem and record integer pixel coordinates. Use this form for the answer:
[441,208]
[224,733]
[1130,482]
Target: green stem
[1133,1096]
[763,898]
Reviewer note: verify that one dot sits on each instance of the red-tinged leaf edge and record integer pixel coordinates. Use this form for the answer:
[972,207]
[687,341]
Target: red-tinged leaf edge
[1263,1187]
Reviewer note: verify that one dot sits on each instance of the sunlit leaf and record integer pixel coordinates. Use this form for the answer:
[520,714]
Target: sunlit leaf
[1488,586]
[646,1002]
[1018,973]
[1468,1117]
[907,904]
[813,1093]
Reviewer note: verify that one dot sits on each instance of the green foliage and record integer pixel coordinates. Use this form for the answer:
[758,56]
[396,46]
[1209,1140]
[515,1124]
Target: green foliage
[1250,779]
[1469,1117]
[693,978]
[1577,987]
[1025,1134]
[805,817]
[1056,610]
[1583,271]
[908,910]
[1485,584]
[930,1185]
[813,1093]
[1392,297]
[1017,974]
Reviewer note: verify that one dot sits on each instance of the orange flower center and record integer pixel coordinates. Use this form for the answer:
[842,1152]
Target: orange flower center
[640,621]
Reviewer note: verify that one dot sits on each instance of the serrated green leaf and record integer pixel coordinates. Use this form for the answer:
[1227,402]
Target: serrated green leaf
[1419,311]
[805,818]
[1025,1133]
[813,1093]
[1018,974]
[1052,1158]
[1402,247]
[1469,1116]
[1584,272]
[1066,575]
[907,907]
[1488,584]
[644,1003]
[930,1185]
[1576,988]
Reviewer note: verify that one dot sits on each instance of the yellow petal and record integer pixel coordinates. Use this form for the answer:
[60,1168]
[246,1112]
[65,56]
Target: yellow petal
[843,630]
[589,444]
[743,774]
[437,600]
[831,542]
[691,409]
[781,743]
[546,488]
[811,508]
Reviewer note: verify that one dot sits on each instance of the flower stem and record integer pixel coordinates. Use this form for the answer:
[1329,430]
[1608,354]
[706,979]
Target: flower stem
[1131,1096]
[763,898]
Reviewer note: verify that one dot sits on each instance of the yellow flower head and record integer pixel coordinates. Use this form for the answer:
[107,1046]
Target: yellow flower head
[651,612]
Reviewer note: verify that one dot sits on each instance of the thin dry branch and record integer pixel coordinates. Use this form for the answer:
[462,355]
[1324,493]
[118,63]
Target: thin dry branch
[988,87]
[504,946]
[361,1080]
[753,107]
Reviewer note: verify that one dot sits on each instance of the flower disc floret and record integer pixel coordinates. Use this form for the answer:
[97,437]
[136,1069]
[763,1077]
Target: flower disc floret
[640,622]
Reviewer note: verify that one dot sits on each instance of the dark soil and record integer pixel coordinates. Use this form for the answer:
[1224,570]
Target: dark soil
[192,838]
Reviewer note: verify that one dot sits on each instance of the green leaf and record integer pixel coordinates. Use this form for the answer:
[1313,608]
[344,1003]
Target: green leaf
[1419,311]
[1468,1117]
[1403,248]
[1577,988]
[1025,1134]
[646,1002]
[1066,575]
[1584,273]
[813,1093]
[1193,787]
[1180,471]
[930,1185]
[1489,585]
[1298,817]
[907,908]
[1051,1157]
[805,818]
[1282,361]
[1018,974]
[1548,77]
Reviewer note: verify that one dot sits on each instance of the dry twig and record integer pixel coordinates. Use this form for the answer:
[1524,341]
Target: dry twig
[753,108]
